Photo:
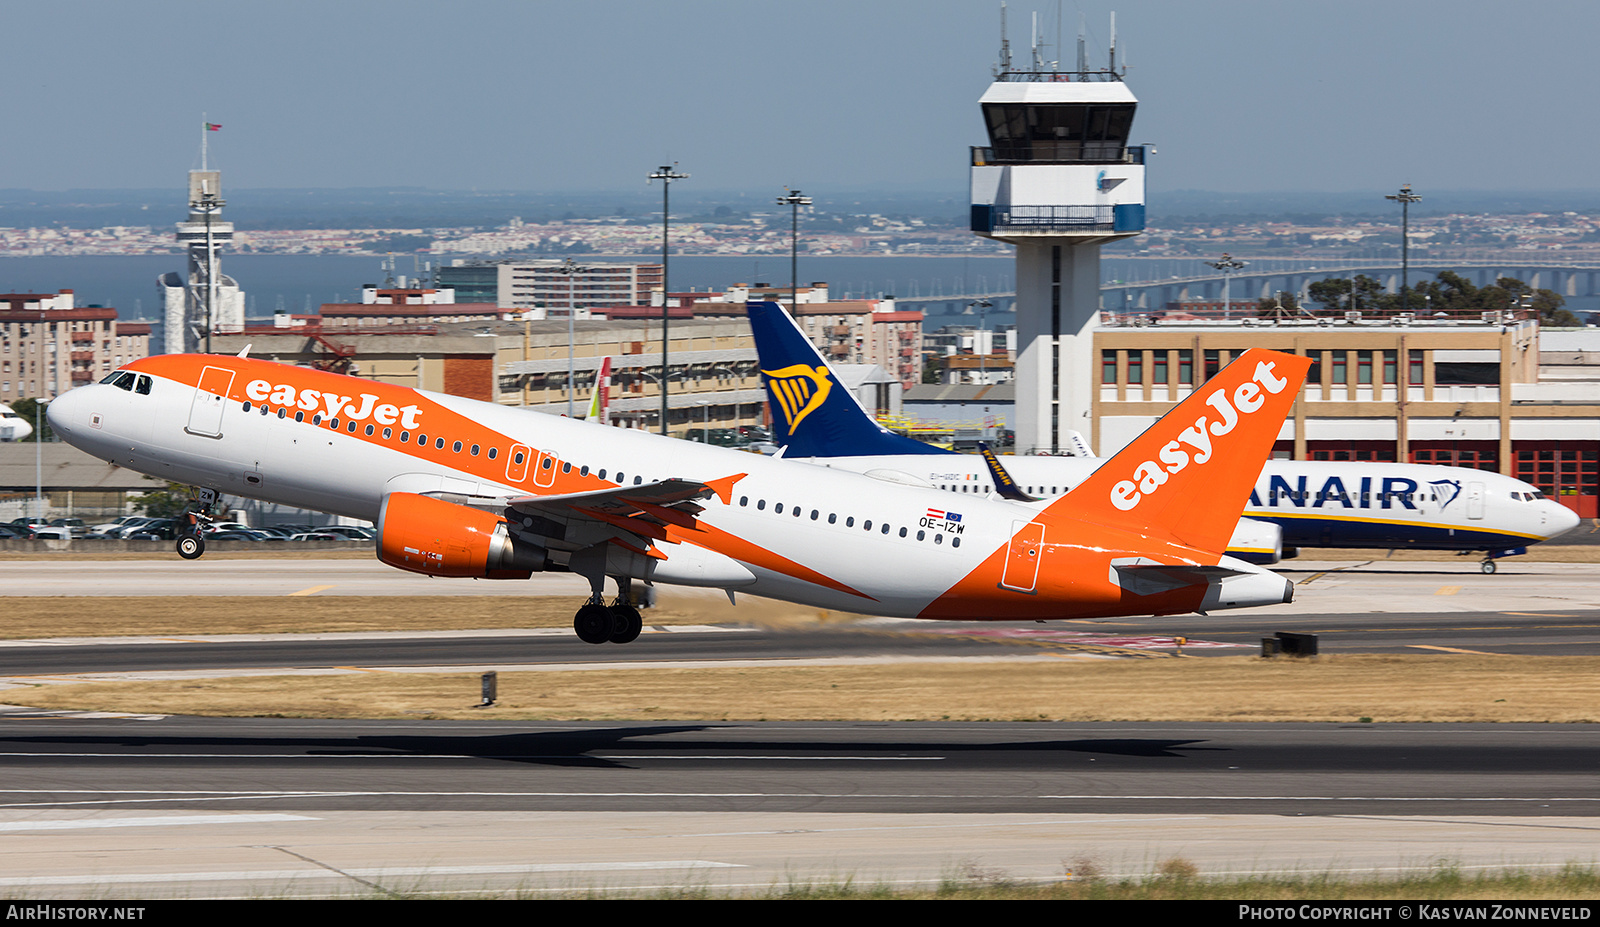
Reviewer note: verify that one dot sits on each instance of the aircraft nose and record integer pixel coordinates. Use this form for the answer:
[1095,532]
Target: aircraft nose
[1561,520]
[62,412]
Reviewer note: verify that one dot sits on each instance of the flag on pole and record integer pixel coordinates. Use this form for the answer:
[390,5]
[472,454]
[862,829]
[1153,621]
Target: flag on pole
[213,126]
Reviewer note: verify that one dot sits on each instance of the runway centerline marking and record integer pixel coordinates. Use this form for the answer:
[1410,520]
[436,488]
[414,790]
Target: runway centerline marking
[1477,653]
[1448,590]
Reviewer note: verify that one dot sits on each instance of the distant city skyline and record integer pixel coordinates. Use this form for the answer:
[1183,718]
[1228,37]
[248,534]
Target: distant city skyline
[1245,96]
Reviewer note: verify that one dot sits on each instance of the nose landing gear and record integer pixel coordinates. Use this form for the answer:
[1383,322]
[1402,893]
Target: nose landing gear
[191,540]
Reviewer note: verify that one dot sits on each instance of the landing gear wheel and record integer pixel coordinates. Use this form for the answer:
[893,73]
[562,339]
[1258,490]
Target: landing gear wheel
[1487,566]
[191,547]
[628,623]
[594,624]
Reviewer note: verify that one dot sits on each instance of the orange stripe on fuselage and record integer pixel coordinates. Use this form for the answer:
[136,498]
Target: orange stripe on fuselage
[1074,579]
[435,421]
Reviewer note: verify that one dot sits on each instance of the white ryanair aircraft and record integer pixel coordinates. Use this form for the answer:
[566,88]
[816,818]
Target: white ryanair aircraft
[474,489]
[1312,503]
[13,427]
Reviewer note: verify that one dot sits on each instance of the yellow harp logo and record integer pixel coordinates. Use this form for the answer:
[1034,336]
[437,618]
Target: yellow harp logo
[800,391]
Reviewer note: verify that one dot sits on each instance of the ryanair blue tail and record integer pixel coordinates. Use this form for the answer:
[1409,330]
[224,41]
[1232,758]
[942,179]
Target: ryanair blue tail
[813,414]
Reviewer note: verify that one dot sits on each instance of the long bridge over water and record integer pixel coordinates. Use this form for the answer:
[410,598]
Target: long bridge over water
[1266,278]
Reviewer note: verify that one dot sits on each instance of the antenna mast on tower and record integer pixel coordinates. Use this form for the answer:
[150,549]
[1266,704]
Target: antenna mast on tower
[1004,67]
[1113,42]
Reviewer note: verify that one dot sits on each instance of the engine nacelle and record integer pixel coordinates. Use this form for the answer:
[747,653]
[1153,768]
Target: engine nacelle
[427,535]
[1259,542]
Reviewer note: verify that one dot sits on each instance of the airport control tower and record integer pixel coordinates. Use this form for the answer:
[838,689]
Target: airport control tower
[206,295]
[1057,180]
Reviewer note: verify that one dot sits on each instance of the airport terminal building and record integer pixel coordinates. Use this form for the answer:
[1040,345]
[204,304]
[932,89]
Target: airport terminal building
[1498,395]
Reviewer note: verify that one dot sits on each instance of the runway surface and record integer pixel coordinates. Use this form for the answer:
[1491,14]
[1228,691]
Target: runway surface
[187,807]
[195,806]
[557,650]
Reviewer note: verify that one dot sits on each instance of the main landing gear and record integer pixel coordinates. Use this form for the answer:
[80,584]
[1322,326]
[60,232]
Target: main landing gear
[617,623]
[191,537]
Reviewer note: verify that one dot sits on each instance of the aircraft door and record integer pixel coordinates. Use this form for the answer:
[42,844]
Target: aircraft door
[1475,501]
[210,398]
[517,463]
[546,474]
[1022,557]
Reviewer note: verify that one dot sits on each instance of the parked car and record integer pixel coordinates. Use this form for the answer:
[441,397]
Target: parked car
[115,528]
[234,535]
[317,536]
[351,532]
[162,529]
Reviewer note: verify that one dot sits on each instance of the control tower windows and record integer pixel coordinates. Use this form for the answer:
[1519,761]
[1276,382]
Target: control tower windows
[1059,131]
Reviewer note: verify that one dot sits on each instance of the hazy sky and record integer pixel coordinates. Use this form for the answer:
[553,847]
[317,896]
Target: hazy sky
[750,95]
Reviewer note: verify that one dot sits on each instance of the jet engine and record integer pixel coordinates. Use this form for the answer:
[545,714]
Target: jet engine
[1259,542]
[427,535]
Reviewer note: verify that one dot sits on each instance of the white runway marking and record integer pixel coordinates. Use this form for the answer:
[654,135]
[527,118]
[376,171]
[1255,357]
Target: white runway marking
[279,875]
[184,820]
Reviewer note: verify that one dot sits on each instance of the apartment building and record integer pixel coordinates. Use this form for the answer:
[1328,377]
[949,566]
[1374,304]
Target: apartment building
[48,345]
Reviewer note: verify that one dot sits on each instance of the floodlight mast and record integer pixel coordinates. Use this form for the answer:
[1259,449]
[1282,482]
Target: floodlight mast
[570,269]
[1227,264]
[794,200]
[666,175]
[1405,198]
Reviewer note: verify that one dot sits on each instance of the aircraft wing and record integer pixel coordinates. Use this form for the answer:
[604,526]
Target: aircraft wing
[633,516]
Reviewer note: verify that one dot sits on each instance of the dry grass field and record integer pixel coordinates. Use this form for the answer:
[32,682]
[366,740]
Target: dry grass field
[1354,688]
[127,616]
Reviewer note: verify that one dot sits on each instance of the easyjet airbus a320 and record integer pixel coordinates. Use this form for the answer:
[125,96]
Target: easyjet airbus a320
[473,489]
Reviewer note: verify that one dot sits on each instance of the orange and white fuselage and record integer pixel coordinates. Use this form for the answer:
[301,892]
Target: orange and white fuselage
[1145,542]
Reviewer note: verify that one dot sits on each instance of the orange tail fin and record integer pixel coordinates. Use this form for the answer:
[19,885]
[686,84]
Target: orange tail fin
[1189,475]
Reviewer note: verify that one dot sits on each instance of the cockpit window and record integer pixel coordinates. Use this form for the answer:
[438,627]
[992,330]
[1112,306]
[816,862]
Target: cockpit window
[121,379]
[142,387]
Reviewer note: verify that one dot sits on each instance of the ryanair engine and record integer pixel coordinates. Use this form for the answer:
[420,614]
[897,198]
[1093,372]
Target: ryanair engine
[427,535]
[1258,542]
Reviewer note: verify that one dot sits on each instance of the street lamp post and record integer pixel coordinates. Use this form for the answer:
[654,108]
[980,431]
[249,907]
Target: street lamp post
[666,175]
[983,306]
[1405,198]
[38,459]
[569,269]
[1227,264]
[705,429]
[794,200]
